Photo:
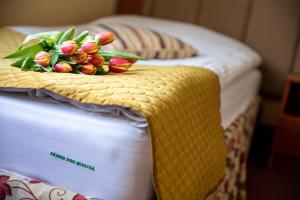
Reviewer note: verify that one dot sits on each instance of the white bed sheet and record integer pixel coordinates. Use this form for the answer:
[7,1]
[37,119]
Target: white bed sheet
[119,152]
[238,95]
[31,128]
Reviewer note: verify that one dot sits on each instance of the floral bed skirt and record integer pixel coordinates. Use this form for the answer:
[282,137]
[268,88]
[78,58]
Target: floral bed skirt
[237,137]
[16,188]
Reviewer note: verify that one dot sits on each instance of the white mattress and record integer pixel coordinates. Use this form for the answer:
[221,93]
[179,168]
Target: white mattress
[118,146]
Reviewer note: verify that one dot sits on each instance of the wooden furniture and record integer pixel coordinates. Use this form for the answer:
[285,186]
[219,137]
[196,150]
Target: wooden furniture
[130,6]
[287,136]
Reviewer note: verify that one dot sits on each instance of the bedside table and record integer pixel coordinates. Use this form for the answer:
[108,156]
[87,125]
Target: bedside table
[287,136]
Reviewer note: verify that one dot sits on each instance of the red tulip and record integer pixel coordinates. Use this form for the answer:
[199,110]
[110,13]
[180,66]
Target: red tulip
[80,56]
[62,67]
[88,69]
[42,58]
[119,65]
[96,60]
[69,47]
[105,38]
[90,47]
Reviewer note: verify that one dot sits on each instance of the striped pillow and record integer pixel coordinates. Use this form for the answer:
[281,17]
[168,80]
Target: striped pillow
[145,42]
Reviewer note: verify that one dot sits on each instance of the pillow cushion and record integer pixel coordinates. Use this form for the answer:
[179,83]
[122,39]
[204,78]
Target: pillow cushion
[144,42]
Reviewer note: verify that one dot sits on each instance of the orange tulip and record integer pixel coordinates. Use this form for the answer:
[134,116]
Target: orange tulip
[119,65]
[105,38]
[69,47]
[80,56]
[63,67]
[42,58]
[132,61]
[88,69]
[90,47]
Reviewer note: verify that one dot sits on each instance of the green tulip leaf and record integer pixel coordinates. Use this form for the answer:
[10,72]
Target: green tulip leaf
[27,63]
[35,67]
[54,57]
[57,37]
[88,38]
[119,54]
[49,36]
[67,35]
[46,69]
[69,61]
[81,36]
[45,44]
[19,63]
[101,71]
[27,52]
[64,57]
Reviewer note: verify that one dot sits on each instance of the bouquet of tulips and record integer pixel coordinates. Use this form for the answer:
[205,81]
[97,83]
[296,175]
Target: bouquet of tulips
[60,51]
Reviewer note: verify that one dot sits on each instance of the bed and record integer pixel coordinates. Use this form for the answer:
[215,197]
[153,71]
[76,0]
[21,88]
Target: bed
[115,141]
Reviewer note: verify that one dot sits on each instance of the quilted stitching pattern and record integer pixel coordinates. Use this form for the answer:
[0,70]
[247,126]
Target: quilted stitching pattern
[9,41]
[181,105]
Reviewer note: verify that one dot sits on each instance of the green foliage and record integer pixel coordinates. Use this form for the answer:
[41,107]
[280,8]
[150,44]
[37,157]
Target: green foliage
[67,35]
[27,52]
[79,38]
[54,57]
[49,36]
[46,69]
[88,38]
[101,71]
[26,65]
[19,63]
[112,54]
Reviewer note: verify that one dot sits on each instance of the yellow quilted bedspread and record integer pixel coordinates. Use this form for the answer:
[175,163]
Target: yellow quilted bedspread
[181,105]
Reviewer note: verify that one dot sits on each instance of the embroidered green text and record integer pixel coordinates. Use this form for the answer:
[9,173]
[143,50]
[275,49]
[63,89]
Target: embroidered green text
[72,161]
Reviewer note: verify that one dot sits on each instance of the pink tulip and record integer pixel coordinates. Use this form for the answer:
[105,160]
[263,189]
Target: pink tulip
[119,65]
[105,38]
[80,56]
[63,67]
[42,58]
[69,47]
[88,69]
[96,60]
[90,47]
